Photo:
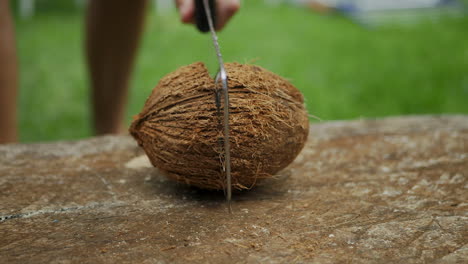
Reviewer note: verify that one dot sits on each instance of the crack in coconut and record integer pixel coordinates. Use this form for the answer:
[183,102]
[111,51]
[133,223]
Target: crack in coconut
[180,127]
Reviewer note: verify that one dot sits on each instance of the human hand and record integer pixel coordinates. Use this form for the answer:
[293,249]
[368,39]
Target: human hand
[225,9]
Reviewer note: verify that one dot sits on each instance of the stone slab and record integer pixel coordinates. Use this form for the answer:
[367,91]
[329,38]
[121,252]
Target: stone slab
[392,190]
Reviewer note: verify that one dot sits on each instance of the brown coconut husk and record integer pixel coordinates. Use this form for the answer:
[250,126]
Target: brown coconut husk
[180,128]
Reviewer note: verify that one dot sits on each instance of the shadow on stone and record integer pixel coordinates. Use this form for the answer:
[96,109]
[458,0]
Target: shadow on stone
[268,189]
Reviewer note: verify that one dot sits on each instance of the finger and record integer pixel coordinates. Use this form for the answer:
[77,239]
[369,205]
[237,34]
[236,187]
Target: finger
[186,11]
[225,10]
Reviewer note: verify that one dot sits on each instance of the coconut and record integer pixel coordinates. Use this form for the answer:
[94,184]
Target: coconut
[181,130]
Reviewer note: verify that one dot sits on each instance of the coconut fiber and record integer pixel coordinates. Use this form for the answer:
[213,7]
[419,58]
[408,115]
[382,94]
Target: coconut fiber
[181,130]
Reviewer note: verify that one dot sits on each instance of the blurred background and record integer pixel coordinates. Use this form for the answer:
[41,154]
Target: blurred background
[351,59]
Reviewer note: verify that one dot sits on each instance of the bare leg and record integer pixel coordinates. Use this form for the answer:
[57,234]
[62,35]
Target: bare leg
[113,33]
[8,76]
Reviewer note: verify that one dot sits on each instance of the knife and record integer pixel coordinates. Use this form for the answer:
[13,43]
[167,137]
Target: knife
[205,15]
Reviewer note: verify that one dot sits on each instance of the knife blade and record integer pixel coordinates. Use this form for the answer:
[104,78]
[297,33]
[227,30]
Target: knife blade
[205,16]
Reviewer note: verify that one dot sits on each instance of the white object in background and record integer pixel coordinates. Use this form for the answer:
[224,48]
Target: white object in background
[26,8]
[163,6]
[375,5]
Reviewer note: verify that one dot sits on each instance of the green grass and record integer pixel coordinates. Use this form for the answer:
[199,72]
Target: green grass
[346,71]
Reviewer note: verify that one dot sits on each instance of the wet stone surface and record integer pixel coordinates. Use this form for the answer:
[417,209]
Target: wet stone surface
[392,190]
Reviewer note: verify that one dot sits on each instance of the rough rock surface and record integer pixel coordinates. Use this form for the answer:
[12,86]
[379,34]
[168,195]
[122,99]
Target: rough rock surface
[385,191]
